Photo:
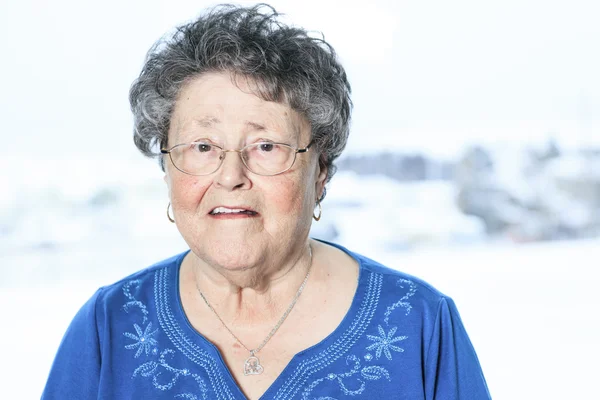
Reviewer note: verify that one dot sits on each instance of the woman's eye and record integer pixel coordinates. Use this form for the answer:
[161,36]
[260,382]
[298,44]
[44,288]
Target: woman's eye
[266,147]
[203,147]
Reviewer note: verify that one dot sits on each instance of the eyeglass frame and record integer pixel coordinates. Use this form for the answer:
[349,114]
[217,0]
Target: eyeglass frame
[239,151]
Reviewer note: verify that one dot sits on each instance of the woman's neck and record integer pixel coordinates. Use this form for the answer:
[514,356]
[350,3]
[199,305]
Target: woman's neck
[257,293]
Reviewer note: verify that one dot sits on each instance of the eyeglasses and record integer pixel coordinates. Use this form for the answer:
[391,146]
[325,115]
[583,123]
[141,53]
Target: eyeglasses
[264,158]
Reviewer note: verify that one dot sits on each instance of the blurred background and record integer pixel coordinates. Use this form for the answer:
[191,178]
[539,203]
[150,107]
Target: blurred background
[473,163]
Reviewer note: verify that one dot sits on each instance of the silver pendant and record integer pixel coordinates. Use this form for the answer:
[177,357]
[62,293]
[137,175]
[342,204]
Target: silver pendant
[252,366]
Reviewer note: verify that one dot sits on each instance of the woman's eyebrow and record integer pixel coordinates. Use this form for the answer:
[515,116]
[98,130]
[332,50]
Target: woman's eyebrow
[206,122]
[209,122]
[255,126]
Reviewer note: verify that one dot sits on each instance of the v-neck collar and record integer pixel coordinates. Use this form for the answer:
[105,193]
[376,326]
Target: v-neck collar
[307,362]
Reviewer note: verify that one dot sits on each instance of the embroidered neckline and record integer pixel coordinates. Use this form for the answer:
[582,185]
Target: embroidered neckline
[302,366]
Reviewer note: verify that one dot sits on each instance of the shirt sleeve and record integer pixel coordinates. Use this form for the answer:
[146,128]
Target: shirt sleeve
[75,371]
[452,369]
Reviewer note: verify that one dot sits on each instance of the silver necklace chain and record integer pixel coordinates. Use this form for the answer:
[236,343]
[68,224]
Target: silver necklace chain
[275,328]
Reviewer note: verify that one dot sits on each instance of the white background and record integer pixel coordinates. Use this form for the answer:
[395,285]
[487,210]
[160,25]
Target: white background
[429,75]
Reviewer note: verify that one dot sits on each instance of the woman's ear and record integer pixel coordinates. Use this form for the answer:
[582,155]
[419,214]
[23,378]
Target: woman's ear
[320,181]
[168,183]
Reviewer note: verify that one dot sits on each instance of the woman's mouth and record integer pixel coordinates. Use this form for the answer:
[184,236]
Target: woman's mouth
[230,213]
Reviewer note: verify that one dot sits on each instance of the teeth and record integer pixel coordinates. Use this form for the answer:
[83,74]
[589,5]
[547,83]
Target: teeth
[223,210]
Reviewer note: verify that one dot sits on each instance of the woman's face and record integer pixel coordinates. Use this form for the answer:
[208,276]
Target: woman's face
[213,109]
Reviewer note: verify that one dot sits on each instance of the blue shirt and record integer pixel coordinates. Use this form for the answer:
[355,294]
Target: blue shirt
[401,339]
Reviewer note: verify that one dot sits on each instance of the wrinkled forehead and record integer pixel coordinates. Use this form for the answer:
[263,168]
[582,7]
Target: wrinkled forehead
[219,101]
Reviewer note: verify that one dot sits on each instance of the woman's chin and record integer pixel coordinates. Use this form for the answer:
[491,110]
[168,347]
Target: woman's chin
[231,255]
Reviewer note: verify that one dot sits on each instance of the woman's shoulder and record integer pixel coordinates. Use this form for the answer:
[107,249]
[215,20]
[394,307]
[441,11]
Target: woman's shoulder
[141,284]
[393,275]
[391,284]
[368,264]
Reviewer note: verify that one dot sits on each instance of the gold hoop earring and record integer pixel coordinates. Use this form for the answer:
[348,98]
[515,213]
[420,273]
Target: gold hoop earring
[318,217]
[169,216]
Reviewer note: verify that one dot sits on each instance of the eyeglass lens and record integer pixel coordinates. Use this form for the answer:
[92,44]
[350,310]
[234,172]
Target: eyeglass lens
[260,158]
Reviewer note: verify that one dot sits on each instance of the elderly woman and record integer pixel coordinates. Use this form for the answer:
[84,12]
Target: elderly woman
[249,115]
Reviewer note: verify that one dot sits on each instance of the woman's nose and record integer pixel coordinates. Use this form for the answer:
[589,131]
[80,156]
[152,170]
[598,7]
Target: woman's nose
[232,173]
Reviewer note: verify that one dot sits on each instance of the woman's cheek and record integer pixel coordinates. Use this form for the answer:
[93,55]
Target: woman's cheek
[297,202]
[188,190]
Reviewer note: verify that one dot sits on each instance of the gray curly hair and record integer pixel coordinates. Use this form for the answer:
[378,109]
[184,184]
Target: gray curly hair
[286,64]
